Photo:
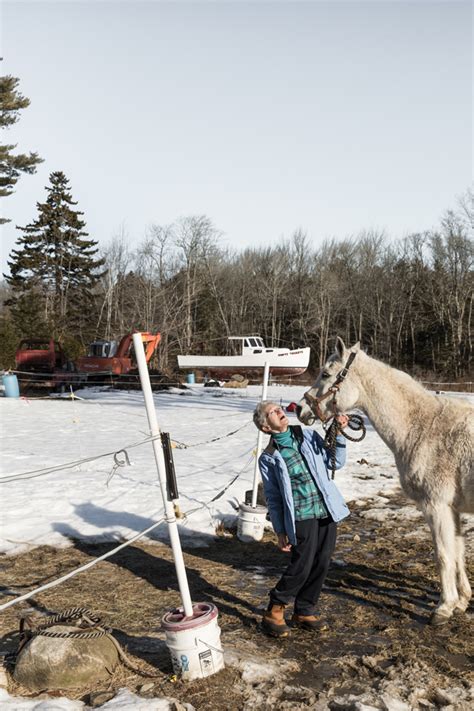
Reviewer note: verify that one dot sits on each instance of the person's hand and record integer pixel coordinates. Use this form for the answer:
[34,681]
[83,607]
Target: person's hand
[283,543]
[342,420]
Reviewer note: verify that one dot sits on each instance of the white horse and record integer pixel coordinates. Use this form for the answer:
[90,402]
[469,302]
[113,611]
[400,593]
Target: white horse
[431,438]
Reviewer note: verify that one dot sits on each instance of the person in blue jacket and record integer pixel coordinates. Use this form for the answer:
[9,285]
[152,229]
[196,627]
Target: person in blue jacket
[304,506]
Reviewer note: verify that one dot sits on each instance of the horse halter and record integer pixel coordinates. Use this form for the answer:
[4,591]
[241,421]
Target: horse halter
[314,402]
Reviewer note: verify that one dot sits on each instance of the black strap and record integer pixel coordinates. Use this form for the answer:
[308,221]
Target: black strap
[342,373]
[270,448]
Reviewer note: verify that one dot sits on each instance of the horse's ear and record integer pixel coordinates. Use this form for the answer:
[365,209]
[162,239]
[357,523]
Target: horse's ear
[356,347]
[340,347]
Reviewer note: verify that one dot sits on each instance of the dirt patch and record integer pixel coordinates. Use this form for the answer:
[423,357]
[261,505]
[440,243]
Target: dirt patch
[378,652]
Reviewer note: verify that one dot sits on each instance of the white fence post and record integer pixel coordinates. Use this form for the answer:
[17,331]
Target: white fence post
[256,470]
[160,465]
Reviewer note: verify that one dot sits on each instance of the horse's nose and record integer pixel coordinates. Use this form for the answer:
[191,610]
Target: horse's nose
[298,409]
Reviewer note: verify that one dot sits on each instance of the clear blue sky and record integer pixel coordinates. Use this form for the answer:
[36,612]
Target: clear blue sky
[265,116]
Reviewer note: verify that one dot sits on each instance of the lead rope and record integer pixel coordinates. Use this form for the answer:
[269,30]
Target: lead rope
[356,423]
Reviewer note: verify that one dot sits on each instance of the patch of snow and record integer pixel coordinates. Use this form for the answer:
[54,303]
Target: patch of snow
[126,700]
[85,501]
[18,703]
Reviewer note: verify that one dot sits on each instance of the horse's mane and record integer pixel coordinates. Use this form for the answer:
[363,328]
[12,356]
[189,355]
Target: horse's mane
[398,377]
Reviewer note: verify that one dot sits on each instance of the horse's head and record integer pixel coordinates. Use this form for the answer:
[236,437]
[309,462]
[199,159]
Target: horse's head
[334,390]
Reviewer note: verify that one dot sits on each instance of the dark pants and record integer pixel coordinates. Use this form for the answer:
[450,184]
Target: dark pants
[309,564]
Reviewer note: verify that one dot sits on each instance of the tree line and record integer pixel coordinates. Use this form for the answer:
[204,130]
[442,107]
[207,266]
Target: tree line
[408,301]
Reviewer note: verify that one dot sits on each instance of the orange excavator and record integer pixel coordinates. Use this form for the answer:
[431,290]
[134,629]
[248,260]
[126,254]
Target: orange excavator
[108,358]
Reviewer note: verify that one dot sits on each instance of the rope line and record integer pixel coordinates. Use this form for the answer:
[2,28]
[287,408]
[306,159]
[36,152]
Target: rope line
[182,445]
[33,474]
[69,465]
[81,614]
[81,377]
[81,568]
[126,543]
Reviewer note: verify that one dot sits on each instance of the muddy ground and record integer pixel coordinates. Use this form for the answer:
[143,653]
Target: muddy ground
[379,651]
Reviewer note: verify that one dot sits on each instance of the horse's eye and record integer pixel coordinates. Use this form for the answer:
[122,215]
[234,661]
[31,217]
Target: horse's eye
[325,374]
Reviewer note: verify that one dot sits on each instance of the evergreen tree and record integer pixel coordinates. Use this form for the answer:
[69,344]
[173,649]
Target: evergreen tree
[9,338]
[11,165]
[55,268]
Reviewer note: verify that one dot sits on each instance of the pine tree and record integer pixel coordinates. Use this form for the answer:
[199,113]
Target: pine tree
[9,338]
[55,267]
[11,165]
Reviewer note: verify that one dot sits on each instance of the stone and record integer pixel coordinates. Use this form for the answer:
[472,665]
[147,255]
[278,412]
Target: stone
[97,698]
[65,663]
[145,688]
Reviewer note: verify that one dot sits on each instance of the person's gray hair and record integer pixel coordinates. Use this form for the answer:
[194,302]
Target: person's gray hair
[259,415]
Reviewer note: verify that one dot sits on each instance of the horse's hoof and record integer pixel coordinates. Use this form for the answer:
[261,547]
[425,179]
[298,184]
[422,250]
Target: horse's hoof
[436,620]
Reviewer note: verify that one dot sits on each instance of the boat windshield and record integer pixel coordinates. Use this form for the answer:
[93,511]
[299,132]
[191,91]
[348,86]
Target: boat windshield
[253,343]
[246,342]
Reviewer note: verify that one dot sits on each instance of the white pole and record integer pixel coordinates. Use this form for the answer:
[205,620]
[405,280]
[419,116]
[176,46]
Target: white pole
[160,465]
[256,470]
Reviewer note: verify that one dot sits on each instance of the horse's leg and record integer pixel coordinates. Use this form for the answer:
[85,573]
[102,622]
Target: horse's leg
[464,589]
[441,522]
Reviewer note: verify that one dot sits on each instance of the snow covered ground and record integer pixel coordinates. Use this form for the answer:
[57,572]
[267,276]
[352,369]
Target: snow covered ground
[100,500]
[95,501]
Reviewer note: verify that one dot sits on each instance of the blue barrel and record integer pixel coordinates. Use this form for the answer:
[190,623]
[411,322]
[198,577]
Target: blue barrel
[190,379]
[10,383]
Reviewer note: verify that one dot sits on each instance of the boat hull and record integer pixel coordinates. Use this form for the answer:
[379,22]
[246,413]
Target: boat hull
[281,362]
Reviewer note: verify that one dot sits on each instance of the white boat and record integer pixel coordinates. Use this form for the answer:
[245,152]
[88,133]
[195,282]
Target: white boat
[252,357]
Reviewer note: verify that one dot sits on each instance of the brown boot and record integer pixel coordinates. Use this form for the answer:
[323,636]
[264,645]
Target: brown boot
[273,621]
[309,622]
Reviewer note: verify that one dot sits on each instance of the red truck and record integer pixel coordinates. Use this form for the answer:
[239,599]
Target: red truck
[39,355]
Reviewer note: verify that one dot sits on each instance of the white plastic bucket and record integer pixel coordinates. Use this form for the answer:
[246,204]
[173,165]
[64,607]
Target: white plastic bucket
[194,643]
[251,523]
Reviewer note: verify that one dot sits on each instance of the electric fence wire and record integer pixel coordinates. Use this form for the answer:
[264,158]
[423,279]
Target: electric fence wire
[181,445]
[23,476]
[126,543]
[70,465]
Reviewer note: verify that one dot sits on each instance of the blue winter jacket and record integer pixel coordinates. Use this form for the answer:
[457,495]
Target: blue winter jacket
[277,485]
